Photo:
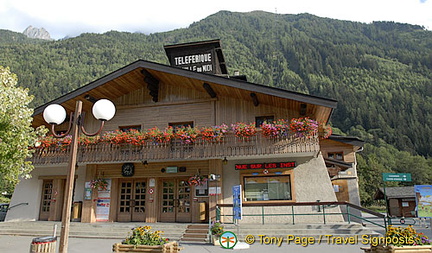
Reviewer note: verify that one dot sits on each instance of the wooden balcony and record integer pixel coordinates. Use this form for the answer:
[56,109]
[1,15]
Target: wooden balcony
[231,146]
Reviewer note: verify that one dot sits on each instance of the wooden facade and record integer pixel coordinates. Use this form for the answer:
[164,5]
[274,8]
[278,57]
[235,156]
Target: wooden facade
[148,95]
[340,157]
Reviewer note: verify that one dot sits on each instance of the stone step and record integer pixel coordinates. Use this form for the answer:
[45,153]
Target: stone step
[184,232]
[195,233]
[194,236]
[89,230]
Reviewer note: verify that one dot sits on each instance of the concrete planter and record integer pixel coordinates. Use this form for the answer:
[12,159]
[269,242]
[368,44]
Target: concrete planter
[216,241]
[171,247]
[404,249]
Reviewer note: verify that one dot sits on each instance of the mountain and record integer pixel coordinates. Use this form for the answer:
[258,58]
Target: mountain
[380,73]
[37,33]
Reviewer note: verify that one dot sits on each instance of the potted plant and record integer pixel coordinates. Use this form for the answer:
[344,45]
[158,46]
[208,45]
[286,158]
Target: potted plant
[216,230]
[159,136]
[197,180]
[142,240]
[275,129]
[400,240]
[99,183]
[244,131]
[304,127]
[187,135]
[324,131]
[214,134]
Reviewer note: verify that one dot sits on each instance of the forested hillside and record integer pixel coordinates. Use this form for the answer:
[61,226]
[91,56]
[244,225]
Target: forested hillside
[380,73]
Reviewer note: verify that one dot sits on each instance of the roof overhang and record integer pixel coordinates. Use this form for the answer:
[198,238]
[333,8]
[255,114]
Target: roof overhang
[130,77]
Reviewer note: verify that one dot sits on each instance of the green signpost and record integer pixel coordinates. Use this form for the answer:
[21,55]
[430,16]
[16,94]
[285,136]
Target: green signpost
[396,177]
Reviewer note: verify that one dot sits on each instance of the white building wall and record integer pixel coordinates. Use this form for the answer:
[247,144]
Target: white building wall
[310,182]
[30,190]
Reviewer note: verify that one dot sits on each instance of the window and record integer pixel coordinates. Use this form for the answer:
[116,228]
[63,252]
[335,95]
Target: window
[181,124]
[261,119]
[267,188]
[128,128]
[336,156]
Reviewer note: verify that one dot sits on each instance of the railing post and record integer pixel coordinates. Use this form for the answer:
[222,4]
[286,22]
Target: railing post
[348,213]
[218,213]
[324,214]
[385,224]
[262,214]
[293,215]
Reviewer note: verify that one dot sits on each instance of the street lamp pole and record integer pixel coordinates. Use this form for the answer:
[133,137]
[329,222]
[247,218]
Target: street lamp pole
[55,114]
[67,204]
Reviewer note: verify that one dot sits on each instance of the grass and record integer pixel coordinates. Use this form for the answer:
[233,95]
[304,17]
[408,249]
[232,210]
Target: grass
[377,208]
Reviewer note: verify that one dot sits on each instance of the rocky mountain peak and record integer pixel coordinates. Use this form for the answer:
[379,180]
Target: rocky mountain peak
[37,33]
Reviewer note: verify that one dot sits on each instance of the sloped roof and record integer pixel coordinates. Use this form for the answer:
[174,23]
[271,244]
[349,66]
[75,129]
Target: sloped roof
[396,192]
[130,78]
[352,140]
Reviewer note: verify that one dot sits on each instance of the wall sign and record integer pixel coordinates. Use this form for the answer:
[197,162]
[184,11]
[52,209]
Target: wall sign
[202,190]
[252,166]
[237,202]
[171,169]
[88,191]
[103,203]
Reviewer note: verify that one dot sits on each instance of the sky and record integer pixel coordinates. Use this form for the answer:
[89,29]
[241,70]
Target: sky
[70,18]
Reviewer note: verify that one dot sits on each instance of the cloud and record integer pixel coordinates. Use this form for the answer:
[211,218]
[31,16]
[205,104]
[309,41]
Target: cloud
[61,17]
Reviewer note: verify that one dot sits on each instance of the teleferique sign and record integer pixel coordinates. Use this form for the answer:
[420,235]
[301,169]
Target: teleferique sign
[199,62]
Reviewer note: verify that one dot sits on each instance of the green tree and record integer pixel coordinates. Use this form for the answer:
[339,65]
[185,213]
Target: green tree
[16,132]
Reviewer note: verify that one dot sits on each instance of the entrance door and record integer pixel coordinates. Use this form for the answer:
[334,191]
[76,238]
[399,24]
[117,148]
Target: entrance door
[47,194]
[132,200]
[175,201]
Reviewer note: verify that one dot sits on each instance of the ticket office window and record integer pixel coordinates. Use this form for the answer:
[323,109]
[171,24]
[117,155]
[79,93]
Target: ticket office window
[264,188]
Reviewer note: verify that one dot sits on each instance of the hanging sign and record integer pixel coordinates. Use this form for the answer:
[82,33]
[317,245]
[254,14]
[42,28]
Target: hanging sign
[251,166]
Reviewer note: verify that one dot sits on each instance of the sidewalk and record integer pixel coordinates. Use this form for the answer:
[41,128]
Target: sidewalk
[21,244]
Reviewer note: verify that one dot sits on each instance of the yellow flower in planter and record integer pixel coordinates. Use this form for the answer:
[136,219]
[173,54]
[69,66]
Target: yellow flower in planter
[143,236]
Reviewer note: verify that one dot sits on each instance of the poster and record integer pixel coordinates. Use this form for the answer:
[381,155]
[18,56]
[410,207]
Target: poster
[423,195]
[202,190]
[237,202]
[214,191]
[103,203]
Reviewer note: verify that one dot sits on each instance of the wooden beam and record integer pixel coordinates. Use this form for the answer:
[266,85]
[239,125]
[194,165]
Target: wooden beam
[254,99]
[152,84]
[209,90]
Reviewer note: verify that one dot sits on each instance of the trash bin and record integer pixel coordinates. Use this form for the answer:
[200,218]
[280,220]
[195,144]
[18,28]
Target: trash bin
[76,211]
[43,244]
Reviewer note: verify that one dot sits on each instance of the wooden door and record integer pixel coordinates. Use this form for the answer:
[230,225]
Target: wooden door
[132,197]
[47,195]
[175,201]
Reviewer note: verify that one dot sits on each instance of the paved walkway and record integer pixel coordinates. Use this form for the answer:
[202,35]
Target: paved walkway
[21,244]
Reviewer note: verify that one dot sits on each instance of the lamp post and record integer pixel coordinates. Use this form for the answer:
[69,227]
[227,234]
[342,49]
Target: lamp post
[55,114]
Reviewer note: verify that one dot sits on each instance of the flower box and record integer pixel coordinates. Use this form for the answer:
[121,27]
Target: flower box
[400,249]
[171,247]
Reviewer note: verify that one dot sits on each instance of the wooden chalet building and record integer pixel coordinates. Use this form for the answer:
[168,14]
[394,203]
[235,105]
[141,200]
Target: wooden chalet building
[150,182]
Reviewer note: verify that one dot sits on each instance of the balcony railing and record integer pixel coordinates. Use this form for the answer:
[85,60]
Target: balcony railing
[231,146]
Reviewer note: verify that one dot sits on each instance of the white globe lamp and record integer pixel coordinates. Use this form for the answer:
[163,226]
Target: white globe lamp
[103,110]
[54,114]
